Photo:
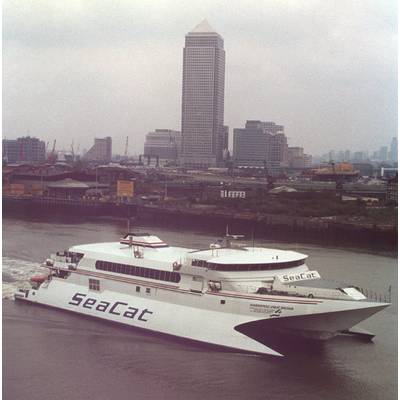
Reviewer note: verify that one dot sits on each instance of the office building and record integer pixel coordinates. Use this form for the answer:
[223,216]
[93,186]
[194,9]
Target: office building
[308,160]
[163,143]
[297,159]
[340,156]
[375,155]
[393,150]
[260,144]
[360,156]
[24,150]
[203,98]
[101,150]
[383,153]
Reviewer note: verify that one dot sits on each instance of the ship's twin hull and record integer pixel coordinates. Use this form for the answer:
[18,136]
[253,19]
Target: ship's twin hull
[319,326]
[237,330]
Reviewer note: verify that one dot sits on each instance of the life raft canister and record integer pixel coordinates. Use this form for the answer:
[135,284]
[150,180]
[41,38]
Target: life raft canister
[38,278]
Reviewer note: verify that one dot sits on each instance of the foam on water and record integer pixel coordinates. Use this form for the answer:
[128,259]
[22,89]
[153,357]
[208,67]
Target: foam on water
[16,274]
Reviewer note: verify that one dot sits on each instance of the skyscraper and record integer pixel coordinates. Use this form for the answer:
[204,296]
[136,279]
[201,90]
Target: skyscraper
[203,98]
[393,150]
[383,153]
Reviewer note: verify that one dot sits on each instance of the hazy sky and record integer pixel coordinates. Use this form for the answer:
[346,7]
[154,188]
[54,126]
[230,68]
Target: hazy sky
[75,70]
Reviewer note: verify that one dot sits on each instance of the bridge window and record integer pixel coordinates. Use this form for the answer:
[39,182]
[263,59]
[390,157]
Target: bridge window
[247,267]
[75,257]
[138,271]
[199,263]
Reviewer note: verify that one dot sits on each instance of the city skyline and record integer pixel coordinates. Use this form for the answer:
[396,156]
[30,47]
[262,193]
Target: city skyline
[328,74]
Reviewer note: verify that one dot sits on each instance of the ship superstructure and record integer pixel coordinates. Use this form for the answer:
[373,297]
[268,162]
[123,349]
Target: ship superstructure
[227,294]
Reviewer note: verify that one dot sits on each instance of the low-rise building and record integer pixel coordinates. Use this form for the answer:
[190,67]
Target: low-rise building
[391,189]
[67,189]
[366,169]
[163,143]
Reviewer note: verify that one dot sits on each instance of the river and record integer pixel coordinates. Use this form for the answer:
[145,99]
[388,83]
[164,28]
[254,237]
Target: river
[49,354]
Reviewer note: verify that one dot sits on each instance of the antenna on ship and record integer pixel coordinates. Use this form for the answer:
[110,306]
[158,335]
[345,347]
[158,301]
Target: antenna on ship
[130,223]
[229,237]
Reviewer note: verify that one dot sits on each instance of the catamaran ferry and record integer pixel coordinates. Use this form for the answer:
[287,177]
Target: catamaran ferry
[228,295]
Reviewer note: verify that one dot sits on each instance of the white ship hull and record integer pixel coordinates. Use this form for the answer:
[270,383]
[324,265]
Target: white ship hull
[229,319]
[236,297]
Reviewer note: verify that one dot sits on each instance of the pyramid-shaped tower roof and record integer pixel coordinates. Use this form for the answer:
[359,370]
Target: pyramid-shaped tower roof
[203,27]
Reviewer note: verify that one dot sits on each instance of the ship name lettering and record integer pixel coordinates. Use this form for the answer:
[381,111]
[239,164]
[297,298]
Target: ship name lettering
[299,277]
[89,303]
[115,305]
[131,314]
[117,308]
[76,298]
[145,311]
[102,306]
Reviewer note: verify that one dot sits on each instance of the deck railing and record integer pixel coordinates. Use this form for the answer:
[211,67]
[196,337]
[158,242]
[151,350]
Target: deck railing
[378,297]
[370,294]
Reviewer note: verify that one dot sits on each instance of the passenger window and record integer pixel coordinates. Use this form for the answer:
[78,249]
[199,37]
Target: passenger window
[94,284]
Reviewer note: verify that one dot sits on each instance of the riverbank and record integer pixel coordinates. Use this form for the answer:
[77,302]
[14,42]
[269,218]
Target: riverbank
[27,206]
[326,231]
[321,231]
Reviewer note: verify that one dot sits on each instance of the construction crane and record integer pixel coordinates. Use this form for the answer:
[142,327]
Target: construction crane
[126,147]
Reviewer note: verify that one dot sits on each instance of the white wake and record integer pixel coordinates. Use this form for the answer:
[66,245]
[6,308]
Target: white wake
[16,274]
